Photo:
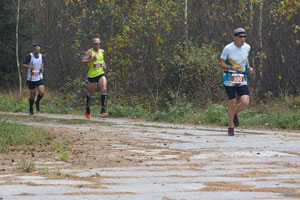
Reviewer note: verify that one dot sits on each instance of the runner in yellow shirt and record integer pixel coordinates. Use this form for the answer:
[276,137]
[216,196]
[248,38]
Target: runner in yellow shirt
[96,65]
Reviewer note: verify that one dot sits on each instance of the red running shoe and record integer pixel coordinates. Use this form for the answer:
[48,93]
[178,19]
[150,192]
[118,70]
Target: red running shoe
[230,131]
[103,114]
[87,115]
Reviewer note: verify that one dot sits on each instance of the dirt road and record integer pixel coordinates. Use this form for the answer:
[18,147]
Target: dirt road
[130,159]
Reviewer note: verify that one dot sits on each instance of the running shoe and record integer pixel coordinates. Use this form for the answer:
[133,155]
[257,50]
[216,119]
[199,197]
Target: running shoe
[88,115]
[230,131]
[37,105]
[30,111]
[236,120]
[104,114]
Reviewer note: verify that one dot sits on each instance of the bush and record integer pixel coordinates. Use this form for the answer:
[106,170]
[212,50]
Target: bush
[195,73]
[180,112]
[286,120]
[215,114]
[118,110]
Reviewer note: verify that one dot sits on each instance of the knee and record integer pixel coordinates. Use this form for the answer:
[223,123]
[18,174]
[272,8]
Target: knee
[245,104]
[32,96]
[103,89]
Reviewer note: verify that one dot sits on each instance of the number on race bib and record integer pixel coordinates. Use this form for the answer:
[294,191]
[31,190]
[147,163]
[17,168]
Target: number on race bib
[97,65]
[237,78]
[35,73]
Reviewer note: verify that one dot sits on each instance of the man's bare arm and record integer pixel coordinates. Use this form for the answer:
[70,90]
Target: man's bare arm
[88,57]
[223,65]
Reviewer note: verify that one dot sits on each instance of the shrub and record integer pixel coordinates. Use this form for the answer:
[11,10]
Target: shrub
[215,114]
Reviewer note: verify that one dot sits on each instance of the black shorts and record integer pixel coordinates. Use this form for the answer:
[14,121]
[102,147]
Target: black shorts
[33,84]
[241,90]
[95,79]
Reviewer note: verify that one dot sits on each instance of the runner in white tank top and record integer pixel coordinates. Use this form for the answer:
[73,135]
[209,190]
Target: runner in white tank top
[35,69]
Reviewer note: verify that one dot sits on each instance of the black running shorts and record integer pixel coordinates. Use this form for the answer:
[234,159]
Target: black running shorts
[33,84]
[95,79]
[241,90]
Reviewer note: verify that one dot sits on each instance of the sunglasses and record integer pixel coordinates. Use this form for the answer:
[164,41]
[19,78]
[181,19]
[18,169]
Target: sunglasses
[242,36]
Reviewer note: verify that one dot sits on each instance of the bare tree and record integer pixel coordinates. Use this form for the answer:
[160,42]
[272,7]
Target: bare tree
[260,24]
[17,6]
[186,21]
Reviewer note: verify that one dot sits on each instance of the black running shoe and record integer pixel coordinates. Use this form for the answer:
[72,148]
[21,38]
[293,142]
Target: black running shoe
[236,120]
[30,111]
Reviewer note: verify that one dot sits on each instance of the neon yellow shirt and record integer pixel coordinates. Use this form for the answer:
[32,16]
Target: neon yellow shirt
[96,66]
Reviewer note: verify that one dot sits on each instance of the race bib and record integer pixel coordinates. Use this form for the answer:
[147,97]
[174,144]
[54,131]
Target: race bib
[35,73]
[97,65]
[237,78]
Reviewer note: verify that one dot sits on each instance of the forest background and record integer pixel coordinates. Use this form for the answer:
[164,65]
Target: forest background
[160,53]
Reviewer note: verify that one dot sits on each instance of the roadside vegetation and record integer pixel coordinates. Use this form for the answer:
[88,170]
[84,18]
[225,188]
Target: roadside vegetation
[273,113]
[14,137]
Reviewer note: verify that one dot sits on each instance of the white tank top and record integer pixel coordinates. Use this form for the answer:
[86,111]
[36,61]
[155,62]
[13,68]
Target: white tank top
[36,74]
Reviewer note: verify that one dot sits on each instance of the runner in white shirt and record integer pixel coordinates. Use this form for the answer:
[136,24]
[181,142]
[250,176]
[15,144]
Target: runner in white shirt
[35,68]
[234,61]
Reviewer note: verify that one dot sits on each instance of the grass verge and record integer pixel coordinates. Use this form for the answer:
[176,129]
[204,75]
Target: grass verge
[281,113]
[22,137]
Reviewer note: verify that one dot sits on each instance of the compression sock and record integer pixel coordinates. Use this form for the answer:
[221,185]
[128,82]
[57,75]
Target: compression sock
[38,99]
[37,102]
[31,102]
[103,101]
[88,102]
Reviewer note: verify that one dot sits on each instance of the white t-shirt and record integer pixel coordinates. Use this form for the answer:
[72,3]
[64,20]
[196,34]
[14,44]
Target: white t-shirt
[238,54]
[234,55]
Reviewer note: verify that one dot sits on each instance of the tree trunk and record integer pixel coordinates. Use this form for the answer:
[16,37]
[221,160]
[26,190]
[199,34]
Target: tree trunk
[258,71]
[252,33]
[260,37]
[252,93]
[186,23]
[17,47]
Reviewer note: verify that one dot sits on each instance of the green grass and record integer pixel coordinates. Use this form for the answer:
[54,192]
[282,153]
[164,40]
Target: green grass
[21,137]
[63,156]
[285,120]
[282,113]
[26,166]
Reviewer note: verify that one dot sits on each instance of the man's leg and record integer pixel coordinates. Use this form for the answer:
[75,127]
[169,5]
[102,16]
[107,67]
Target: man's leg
[230,114]
[244,103]
[243,92]
[230,90]
[103,88]
[91,91]
[41,90]
[31,100]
